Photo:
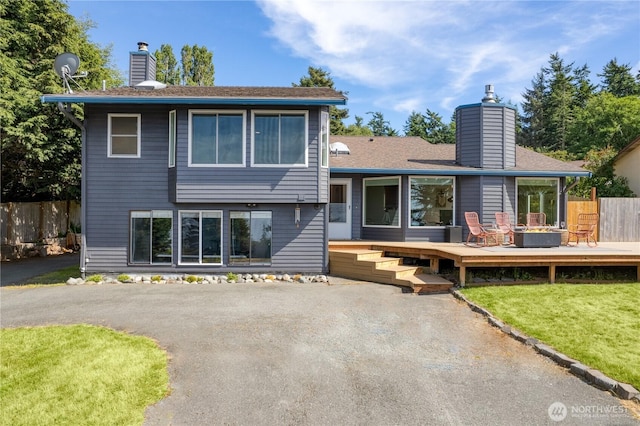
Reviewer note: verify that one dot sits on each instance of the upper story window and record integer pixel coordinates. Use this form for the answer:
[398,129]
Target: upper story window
[216,138]
[279,138]
[124,135]
[172,138]
[324,138]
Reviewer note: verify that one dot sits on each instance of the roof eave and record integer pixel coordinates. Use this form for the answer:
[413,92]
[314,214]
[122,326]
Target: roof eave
[472,172]
[182,100]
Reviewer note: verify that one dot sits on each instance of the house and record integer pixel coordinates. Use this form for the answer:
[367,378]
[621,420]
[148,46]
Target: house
[407,189]
[238,179]
[203,179]
[625,164]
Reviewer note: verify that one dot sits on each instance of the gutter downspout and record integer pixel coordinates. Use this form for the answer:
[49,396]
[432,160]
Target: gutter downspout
[66,111]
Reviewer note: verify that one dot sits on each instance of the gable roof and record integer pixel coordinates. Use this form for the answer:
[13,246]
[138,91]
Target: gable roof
[221,95]
[627,149]
[414,155]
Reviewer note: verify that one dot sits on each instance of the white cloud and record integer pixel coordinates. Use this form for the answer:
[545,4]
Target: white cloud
[436,51]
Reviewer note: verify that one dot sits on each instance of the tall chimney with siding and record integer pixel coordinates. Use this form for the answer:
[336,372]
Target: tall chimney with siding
[486,134]
[142,65]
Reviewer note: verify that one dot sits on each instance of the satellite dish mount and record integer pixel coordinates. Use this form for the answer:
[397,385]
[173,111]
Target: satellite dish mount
[66,65]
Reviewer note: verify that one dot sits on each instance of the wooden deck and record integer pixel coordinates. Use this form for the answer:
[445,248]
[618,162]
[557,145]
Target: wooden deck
[463,256]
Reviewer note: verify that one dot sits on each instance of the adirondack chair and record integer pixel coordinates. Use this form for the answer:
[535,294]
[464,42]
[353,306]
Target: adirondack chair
[503,222]
[536,219]
[584,229]
[484,236]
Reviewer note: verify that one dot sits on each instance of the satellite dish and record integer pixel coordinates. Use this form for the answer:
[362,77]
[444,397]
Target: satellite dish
[66,64]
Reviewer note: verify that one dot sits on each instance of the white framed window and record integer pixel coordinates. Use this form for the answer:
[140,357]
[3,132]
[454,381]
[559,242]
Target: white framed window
[251,233]
[381,197]
[324,138]
[123,135]
[172,138]
[217,138]
[151,237]
[538,195]
[431,201]
[200,236]
[280,138]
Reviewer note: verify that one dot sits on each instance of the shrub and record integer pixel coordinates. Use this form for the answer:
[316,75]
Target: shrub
[156,278]
[232,277]
[123,278]
[191,279]
[95,278]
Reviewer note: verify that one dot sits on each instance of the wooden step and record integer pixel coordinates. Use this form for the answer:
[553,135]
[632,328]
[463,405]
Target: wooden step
[371,265]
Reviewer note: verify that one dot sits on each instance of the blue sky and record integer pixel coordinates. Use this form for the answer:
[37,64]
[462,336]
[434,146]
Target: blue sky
[390,56]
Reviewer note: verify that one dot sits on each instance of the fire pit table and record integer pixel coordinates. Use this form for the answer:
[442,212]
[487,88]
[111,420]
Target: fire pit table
[537,238]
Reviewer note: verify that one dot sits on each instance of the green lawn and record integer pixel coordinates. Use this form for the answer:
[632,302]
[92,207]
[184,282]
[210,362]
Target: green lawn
[56,277]
[79,374]
[598,325]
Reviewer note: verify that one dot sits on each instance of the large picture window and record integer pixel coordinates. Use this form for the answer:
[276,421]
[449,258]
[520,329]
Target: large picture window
[216,138]
[201,237]
[382,202]
[279,138]
[151,237]
[538,196]
[124,135]
[250,238]
[431,202]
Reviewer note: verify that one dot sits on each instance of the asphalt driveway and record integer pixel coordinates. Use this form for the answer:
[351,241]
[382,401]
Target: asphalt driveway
[316,354]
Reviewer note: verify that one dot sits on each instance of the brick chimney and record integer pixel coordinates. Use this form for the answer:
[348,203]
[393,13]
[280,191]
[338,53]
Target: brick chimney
[142,65]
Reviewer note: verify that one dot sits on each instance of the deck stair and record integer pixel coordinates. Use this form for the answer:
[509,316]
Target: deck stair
[372,265]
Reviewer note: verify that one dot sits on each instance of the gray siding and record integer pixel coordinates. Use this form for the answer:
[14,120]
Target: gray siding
[142,66]
[248,184]
[116,186]
[485,136]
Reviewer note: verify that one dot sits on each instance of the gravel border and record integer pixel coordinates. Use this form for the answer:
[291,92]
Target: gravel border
[592,376]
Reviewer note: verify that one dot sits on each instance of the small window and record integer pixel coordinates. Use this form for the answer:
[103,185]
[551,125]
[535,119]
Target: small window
[201,237]
[382,202]
[279,139]
[172,138]
[124,135]
[216,138]
[151,240]
[538,195]
[250,238]
[324,138]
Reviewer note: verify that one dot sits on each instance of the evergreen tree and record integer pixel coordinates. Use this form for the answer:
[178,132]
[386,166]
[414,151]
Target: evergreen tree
[319,77]
[618,80]
[358,128]
[379,126]
[40,147]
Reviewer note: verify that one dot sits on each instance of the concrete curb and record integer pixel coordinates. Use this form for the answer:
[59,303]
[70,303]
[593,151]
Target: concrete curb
[594,377]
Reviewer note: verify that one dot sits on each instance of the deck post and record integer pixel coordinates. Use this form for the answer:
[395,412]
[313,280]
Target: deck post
[552,274]
[463,273]
[434,265]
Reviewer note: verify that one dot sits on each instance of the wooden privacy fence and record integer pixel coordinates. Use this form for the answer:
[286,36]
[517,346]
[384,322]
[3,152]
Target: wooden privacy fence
[33,222]
[619,217]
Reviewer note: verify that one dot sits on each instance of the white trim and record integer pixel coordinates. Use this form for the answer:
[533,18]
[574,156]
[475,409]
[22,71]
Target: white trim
[305,113]
[364,202]
[217,112]
[138,135]
[453,207]
[199,262]
[518,179]
[150,214]
[324,150]
[173,135]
